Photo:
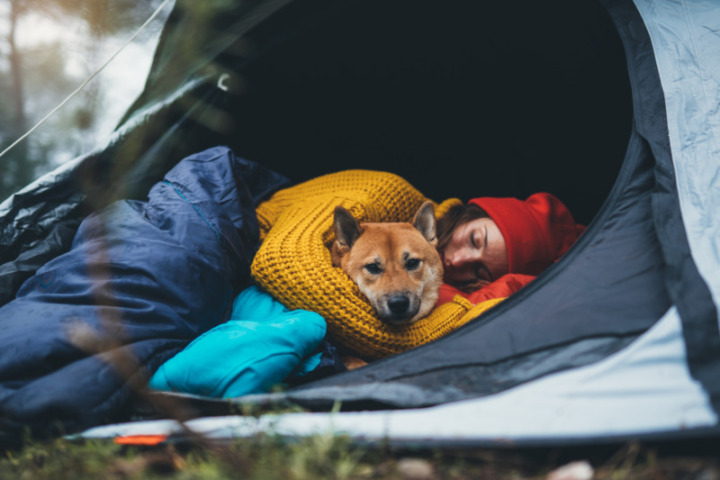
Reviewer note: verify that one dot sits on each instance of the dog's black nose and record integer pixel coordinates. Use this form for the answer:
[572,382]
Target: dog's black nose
[398,304]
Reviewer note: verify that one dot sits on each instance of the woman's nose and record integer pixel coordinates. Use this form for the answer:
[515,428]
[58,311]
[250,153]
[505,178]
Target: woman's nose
[460,258]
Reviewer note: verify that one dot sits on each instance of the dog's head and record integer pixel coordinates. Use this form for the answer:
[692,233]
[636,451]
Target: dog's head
[395,265]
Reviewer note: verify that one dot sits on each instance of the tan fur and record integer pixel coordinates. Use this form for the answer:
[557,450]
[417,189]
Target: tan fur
[395,265]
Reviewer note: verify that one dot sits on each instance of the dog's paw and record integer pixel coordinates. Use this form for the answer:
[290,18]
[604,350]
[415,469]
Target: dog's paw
[351,362]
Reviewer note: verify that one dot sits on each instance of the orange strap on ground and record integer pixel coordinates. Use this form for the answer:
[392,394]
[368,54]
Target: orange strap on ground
[140,439]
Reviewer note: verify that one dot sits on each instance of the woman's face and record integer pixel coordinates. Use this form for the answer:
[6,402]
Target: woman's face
[475,254]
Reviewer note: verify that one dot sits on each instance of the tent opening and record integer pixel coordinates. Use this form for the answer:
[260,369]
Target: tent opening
[500,99]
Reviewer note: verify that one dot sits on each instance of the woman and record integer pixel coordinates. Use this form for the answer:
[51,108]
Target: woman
[491,247]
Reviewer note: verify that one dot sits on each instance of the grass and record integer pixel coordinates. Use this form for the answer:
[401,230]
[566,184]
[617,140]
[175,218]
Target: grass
[333,457]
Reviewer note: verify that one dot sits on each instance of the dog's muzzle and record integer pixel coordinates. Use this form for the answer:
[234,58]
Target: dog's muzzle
[398,308]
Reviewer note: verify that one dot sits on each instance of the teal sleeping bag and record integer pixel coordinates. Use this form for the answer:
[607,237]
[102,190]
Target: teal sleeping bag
[260,346]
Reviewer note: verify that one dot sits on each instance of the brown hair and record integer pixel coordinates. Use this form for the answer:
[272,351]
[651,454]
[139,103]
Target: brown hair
[446,225]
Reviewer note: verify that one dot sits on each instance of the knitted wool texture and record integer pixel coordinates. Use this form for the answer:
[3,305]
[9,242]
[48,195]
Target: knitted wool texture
[293,262]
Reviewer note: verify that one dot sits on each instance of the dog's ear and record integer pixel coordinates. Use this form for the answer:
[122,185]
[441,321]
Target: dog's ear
[347,231]
[425,222]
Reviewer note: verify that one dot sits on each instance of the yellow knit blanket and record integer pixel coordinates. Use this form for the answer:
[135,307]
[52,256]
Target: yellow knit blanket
[293,263]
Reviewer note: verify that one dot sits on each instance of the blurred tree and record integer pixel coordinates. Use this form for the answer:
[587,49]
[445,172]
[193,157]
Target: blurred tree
[34,79]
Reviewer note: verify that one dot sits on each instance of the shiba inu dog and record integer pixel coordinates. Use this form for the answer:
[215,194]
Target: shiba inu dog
[394,264]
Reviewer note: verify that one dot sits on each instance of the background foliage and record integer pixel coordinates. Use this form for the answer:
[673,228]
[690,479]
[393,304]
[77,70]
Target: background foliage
[47,49]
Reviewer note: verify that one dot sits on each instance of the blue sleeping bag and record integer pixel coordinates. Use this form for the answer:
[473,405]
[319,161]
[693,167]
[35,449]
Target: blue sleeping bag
[141,280]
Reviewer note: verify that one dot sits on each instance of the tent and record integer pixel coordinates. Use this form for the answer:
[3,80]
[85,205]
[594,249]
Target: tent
[612,106]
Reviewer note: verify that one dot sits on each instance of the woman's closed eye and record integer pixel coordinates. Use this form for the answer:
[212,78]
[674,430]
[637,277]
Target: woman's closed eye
[479,240]
[473,240]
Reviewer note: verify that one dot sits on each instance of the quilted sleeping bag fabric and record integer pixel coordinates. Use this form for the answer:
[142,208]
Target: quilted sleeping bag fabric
[141,280]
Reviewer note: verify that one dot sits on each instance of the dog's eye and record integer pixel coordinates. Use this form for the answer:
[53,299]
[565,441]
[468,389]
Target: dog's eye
[412,264]
[373,268]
